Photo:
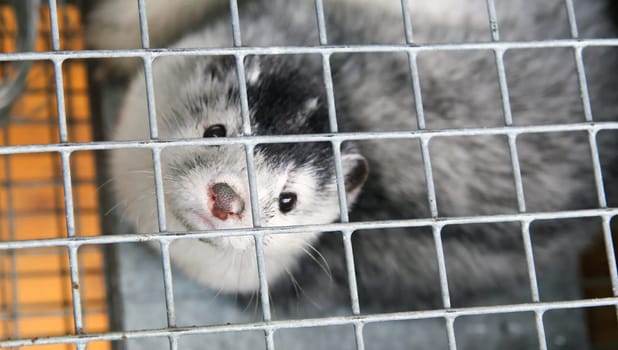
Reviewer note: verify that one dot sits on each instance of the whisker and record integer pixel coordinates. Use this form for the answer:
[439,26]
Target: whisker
[321,262]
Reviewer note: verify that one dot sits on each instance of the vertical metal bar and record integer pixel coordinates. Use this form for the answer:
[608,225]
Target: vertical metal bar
[259,248]
[168,283]
[143,24]
[512,139]
[330,93]
[68,192]
[60,103]
[407,21]
[351,272]
[493,21]
[504,89]
[319,14]
[437,237]
[431,188]
[168,286]
[450,333]
[244,100]
[416,88]
[159,191]
[358,335]
[519,184]
[53,21]
[270,339]
[347,235]
[150,98]
[596,166]
[540,328]
[235,19]
[572,21]
[158,179]
[581,71]
[583,83]
[611,254]
[255,204]
[339,177]
[534,287]
[75,290]
[73,254]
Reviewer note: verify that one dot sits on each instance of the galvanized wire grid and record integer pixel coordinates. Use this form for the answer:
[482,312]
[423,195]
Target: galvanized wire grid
[269,327]
[19,313]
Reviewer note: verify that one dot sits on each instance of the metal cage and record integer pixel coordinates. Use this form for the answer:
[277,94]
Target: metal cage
[73,243]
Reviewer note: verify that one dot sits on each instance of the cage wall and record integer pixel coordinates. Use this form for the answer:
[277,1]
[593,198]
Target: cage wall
[76,275]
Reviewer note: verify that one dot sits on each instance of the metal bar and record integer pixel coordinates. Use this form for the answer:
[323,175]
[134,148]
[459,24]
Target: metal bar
[493,21]
[235,21]
[53,22]
[150,98]
[534,287]
[504,89]
[352,226]
[319,14]
[143,23]
[596,166]
[437,237]
[62,118]
[242,91]
[351,271]
[339,177]
[358,335]
[168,283]
[540,327]
[253,194]
[159,191]
[315,322]
[73,256]
[572,21]
[330,94]
[75,291]
[407,21]
[506,108]
[450,332]
[338,137]
[519,184]
[416,89]
[431,189]
[611,254]
[292,50]
[583,83]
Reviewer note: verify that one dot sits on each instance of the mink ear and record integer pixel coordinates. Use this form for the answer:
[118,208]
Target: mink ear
[355,170]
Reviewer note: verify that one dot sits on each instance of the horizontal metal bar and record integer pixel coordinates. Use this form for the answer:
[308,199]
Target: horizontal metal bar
[352,226]
[314,322]
[330,137]
[291,50]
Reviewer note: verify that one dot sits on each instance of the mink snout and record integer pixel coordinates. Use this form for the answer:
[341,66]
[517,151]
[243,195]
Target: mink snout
[226,201]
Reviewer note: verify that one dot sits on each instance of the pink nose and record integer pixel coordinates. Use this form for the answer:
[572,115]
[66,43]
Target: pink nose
[226,202]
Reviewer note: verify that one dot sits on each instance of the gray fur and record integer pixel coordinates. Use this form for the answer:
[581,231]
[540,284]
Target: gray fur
[397,269]
[473,175]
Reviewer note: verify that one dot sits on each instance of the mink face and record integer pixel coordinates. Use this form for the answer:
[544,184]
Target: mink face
[207,187]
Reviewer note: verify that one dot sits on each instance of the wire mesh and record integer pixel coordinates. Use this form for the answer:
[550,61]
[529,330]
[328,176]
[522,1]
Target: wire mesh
[66,148]
[38,285]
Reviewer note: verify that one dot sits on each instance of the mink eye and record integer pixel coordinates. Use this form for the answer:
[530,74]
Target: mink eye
[287,201]
[217,130]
